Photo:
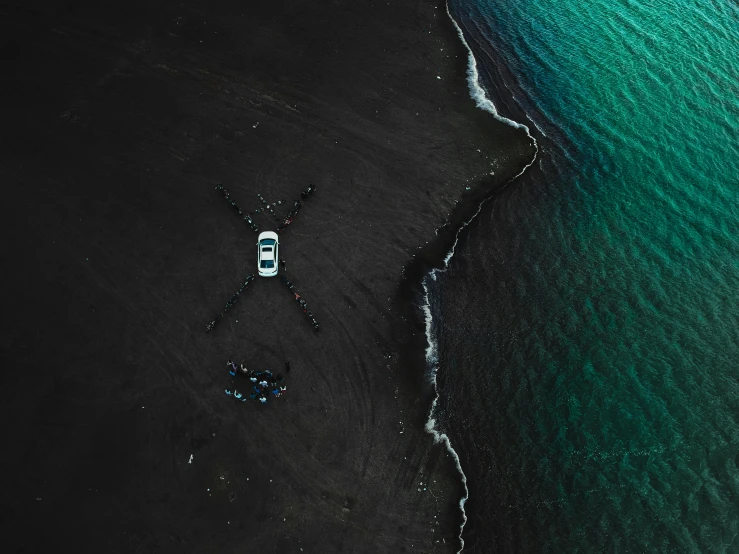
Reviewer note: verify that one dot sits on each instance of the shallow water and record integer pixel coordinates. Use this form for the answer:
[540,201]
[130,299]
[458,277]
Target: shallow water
[588,326]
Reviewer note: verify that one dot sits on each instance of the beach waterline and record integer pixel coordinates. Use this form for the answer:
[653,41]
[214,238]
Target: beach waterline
[586,325]
[483,102]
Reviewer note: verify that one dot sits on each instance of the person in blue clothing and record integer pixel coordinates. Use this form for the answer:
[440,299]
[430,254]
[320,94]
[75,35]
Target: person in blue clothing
[232,367]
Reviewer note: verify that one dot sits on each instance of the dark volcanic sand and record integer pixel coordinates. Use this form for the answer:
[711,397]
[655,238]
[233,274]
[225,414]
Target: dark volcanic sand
[117,123]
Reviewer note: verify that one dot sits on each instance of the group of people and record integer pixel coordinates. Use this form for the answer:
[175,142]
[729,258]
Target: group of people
[245,217]
[301,302]
[307,192]
[295,209]
[260,383]
[290,216]
[230,303]
[270,207]
[283,224]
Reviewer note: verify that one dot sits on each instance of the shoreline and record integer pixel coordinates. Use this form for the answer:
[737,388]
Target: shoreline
[430,267]
[119,219]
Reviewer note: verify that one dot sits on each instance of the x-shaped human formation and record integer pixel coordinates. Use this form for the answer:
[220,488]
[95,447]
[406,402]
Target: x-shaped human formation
[270,246]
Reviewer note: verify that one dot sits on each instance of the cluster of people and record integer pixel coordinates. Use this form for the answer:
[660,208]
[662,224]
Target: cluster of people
[307,192]
[290,216]
[301,302]
[230,303]
[271,207]
[261,383]
[282,225]
[245,217]
[296,207]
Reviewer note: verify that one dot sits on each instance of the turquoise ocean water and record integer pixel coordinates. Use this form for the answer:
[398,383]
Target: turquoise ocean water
[588,324]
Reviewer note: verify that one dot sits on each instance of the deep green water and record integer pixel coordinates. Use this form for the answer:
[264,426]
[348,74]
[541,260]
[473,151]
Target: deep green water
[588,324]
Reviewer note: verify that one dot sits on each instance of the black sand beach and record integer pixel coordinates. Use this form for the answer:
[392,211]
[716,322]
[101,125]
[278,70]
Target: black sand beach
[118,122]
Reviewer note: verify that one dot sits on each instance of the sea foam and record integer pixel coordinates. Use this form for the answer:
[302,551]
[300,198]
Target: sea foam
[479,95]
[432,350]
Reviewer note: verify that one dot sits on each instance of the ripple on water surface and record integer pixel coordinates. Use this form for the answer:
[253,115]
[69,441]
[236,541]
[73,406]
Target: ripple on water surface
[588,326]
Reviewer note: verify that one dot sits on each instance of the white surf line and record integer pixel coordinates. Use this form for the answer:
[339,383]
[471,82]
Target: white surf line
[432,351]
[432,361]
[479,95]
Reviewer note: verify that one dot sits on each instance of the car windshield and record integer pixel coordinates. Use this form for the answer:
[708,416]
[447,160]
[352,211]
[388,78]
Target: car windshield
[268,242]
[267,264]
[267,249]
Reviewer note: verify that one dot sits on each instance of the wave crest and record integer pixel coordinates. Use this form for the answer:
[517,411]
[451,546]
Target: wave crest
[482,101]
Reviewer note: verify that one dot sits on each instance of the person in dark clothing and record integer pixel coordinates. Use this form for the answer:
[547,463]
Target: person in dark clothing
[287,367]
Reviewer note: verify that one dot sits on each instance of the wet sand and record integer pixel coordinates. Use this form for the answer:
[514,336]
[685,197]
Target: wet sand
[118,122]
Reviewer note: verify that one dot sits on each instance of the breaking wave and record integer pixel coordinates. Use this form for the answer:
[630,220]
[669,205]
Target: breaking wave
[432,353]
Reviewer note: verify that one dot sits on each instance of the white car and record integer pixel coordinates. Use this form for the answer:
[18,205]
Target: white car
[267,254]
